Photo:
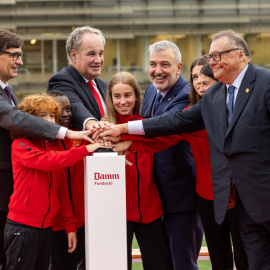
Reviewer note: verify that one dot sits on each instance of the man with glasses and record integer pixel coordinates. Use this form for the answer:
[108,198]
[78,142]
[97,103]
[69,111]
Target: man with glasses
[12,119]
[236,114]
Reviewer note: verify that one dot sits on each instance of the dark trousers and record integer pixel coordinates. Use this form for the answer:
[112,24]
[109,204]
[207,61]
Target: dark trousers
[218,238]
[185,234]
[152,242]
[61,259]
[3,218]
[256,238]
[27,248]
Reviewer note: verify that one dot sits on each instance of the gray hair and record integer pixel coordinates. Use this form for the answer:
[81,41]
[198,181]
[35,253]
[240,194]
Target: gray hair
[75,39]
[163,45]
[235,39]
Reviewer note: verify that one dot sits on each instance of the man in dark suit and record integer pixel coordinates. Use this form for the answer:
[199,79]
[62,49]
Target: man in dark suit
[236,115]
[86,92]
[12,119]
[174,169]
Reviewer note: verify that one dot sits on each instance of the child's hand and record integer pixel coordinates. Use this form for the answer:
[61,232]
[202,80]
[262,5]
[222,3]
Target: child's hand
[93,147]
[72,241]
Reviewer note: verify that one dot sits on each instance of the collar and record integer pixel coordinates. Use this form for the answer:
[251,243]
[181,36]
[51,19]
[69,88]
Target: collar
[93,81]
[3,85]
[164,93]
[125,118]
[239,78]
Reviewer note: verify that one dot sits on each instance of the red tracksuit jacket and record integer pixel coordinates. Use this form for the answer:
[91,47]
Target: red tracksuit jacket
[40,189]
[200,150]
[143,201]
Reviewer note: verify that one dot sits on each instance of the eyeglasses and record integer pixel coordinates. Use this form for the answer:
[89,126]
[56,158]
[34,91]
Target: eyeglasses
[15,56]
[217,55]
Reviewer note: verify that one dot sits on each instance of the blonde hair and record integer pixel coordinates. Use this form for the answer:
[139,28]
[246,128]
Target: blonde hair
[126,78]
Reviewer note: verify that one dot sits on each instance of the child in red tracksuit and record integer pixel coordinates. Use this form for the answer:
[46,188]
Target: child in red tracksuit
[39,192]
[144,210]
[61,258]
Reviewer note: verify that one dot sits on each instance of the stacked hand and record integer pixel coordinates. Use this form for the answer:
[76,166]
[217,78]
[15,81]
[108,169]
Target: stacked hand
[108,135]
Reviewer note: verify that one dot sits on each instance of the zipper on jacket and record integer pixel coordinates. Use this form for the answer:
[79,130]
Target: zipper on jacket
[48,195]
[138,186]
[69,180]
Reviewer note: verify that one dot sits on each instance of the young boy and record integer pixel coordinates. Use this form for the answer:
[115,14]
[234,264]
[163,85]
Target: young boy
[39,192]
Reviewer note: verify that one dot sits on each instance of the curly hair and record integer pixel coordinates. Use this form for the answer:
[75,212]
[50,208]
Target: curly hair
[34,104]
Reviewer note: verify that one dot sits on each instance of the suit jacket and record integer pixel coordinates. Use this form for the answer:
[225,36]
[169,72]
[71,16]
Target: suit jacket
[83,102]
[240,150]
[12,119]
[174,169]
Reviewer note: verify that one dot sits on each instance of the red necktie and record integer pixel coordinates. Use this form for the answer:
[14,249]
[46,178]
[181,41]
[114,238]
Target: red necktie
[97,97]
[232,199]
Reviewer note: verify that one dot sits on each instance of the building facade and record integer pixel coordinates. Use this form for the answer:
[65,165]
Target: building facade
[129,28]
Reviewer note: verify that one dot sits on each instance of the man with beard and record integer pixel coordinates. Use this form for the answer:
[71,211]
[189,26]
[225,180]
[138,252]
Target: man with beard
[174,169]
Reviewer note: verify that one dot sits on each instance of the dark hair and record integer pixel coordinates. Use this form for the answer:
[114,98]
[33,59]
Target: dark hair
[193,95]
[56,93]
[235,39]
[9,40]
[207,71]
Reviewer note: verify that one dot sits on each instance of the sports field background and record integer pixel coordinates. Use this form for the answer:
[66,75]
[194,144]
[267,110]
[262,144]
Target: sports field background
[203,265]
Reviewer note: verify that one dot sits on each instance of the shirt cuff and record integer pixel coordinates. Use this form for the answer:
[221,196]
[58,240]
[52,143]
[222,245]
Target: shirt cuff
[90,118]
[61,134]
[135,127]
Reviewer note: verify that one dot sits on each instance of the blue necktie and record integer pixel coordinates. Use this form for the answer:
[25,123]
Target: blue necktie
[157,101]
[230,102]
[232,198]
[8,93]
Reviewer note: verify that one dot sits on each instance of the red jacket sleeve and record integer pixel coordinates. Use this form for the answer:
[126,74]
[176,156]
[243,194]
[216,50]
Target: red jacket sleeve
[156,144]
[31,156]
[151,145]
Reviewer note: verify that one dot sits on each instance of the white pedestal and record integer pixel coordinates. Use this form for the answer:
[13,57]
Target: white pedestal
[105,212]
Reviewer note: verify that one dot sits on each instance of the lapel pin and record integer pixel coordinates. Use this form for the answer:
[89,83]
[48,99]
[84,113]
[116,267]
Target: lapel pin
[247,90]
[169,98]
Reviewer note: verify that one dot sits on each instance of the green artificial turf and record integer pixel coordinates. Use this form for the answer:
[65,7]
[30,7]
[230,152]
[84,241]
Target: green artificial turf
[203,265]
